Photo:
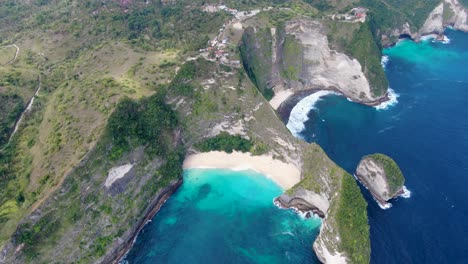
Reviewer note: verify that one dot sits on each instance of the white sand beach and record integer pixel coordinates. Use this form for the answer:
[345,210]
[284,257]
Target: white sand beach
[285,175]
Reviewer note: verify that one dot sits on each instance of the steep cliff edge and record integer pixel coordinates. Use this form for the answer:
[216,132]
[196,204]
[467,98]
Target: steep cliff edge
[325,188]
[449,12]
[459,18]
[332,194]
[415,20]
[382,176]
[297,56]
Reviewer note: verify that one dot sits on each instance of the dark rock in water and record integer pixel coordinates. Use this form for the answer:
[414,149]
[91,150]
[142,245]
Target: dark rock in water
[203,192]
[308,215]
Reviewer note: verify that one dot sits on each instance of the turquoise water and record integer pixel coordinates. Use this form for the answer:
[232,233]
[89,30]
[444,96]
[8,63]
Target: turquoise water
[224,216]
[426,132]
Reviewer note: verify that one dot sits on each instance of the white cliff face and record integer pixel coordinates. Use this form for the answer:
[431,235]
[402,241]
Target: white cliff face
[324,68]
[328,68]
[325,246]
[435,21]
[373,176]
[460,17]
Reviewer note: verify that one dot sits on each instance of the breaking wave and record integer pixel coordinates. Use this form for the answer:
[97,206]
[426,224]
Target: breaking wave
[384,61]
[393,100]
[406,193]
[299,113]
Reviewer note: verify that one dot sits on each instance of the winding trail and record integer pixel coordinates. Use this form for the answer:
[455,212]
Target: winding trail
[27,110]
[16,55]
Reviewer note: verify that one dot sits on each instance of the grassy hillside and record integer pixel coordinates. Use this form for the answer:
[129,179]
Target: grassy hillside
[89,55]
[141,131]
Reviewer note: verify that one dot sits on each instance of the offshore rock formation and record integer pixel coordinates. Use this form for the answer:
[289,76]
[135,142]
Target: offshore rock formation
[382,176]
[332,194]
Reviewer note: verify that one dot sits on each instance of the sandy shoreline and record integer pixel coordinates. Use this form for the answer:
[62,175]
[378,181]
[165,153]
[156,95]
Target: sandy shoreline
[285,175]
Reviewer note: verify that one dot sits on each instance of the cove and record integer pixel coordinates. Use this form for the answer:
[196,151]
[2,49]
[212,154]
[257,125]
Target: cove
[225,216]
[426,132]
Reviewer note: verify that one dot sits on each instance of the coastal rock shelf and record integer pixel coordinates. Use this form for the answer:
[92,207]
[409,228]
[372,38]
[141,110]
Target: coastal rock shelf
[382,176]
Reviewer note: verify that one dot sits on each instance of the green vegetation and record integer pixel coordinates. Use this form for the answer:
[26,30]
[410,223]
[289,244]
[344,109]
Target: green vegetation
[256,53]
[351,219]
[224,142]
[6,54]
[292,58]
[139,123]
[10,109]
[390,14]
[395,178]
[147,123]
[366,50]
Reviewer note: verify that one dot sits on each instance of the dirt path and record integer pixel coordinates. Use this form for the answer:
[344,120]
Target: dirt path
[16,55]
[27,110]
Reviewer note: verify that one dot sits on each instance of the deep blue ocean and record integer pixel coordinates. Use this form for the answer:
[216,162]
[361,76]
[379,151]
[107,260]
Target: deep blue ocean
[221,216]
[426,132]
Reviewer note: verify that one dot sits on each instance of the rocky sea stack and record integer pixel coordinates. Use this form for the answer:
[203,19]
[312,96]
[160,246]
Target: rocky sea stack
[382,176]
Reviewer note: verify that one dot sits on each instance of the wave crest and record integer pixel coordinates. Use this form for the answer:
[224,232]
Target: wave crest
[393,100]
[299,113]
[406,193]
[384,61]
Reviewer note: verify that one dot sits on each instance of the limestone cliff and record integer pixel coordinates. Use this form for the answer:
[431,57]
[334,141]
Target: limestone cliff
[332,194]
[435,22]
[449,12]
[382,176]
[325,189]
[446,13]
[297,57]
[459,17]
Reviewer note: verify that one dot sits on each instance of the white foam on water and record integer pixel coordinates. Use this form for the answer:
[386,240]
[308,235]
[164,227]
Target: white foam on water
[384,61]
[301,214]
[429,37]
[298,115]
[393,100]
[384,206]
[446,40]
[406,193]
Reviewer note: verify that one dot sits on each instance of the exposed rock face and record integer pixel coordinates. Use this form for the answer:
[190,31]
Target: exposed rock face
[326,253]
[304,201]
[331,193]
[298,57]
[120,249]
[435,22]
[449,12]
[382,176]
[320,64]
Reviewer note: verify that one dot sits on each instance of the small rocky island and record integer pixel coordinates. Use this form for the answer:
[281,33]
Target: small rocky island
[382,176]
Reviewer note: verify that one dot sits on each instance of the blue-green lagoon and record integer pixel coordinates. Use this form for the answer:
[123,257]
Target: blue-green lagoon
[225,216]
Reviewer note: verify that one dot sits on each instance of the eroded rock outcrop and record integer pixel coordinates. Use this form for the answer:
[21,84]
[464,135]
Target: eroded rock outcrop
[459,17]
[298,57]
[332,194]
[435,21]
[382,176]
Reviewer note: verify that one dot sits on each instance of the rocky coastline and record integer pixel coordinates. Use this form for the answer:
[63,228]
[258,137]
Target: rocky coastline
[118,252]
[298,204]
[285,108]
